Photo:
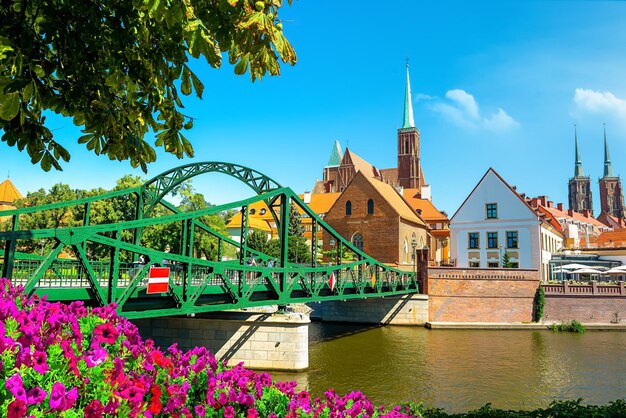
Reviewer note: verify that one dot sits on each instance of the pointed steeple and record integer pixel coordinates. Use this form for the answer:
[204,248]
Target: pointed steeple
[335,155]
[408,121]
[578,170]
[608,169]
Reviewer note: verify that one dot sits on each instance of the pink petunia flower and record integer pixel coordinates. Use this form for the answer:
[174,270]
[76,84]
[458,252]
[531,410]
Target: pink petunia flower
[94,409]
[40,363]
[17,409]
[61,400]
[105,333]
[35,396]
[229,412]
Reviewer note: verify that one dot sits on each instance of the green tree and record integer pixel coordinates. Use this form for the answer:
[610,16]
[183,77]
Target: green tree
[299,250]
[119,69]
[257,240]
[506,260]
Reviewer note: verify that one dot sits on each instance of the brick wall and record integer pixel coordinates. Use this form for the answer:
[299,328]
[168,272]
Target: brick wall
[592,303]
[481,295]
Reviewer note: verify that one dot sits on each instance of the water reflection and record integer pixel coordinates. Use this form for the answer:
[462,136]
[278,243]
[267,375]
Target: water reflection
[464,369]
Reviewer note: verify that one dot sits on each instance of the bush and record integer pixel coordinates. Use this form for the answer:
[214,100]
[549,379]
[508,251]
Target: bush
[540,300]
[71,361]
[573,326]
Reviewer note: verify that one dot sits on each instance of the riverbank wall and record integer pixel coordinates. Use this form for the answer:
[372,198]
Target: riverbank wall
[395,310]
[481,295]
[591,303]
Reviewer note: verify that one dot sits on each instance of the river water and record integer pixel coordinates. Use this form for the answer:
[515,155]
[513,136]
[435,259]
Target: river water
[459,370]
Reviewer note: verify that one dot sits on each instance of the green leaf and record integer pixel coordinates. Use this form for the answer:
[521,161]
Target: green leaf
[197,84]
[185,86]
[9,106]
[242,65]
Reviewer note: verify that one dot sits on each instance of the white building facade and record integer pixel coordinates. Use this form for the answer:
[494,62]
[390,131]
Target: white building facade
[493,220]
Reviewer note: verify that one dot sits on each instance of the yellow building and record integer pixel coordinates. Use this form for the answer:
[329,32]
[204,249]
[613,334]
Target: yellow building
[8,195]
[260,218]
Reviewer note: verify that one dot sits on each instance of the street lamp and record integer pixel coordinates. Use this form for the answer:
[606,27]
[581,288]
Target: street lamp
[42,242]
[501,261]
[332,247]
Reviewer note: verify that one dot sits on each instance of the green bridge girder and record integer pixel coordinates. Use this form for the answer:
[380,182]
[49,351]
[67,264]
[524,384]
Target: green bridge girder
[195,285]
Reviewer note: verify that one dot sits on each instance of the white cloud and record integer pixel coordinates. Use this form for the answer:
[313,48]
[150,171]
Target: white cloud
[600,102]
[462,109]
[465,102]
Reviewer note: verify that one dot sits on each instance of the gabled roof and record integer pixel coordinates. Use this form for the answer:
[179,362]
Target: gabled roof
[360,164]
[616,238]
[393,198]
[428,211]
[8,192]
[550,218]
[611,221]
[389,175]
[575,216]
[503,182]
[321,202]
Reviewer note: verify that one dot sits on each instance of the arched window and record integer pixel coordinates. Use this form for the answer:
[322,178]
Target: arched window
[357,240]
[406,146]
[370,206]
[348,208]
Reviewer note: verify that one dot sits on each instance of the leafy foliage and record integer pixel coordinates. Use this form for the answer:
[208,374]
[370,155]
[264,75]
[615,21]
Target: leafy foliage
[120,68]
[540,300]
[557,409]
[506,260]
[573,326]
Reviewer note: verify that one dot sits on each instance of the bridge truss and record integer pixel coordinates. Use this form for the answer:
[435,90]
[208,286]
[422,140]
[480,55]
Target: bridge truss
[196,285]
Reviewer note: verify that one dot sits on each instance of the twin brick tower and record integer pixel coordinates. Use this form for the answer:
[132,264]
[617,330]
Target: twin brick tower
[611,194]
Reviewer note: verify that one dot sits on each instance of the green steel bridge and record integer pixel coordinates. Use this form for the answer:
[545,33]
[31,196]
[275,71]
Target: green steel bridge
[196,285]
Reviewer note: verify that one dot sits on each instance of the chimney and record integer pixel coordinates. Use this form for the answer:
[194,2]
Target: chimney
[570,212]
[307,197]
[426,192]
[543,200]
[559,206]
[533,202]
[586,213]
[550,204]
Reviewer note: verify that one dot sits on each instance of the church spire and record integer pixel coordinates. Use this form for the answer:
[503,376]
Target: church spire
[608,169]
[408,121]
[578,170]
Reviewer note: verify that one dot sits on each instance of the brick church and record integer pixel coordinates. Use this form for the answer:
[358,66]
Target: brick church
[386,212]
[611,192]
[341,169]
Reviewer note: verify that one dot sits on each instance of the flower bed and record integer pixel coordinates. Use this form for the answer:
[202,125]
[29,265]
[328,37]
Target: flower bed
[71,361]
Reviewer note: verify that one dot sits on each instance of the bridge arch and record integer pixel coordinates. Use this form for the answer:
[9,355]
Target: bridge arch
[159,186]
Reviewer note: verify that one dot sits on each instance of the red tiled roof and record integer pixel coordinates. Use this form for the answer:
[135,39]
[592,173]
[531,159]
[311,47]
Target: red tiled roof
[575,215]
[428,211]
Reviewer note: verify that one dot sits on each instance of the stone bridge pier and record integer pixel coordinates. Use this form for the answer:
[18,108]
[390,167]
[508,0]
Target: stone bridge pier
[263,341]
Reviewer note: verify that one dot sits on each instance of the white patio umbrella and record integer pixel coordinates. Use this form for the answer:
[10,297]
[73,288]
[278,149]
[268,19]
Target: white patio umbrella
[560,270]
[574,266]
[587,271]
[615,272]
[622,267]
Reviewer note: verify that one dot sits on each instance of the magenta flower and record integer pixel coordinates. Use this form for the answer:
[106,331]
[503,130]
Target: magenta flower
[252,413]
[60,399]
[15,385]
[105,333]
[40,363]
[35,396]
[94,409]
[200,410]
[95,356]
[229,412]
[17,409]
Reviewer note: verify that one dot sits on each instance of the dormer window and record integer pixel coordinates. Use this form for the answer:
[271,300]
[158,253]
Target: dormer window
[263,211]
[252,211]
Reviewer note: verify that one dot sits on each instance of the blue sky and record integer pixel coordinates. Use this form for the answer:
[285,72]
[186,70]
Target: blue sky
[494,85]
